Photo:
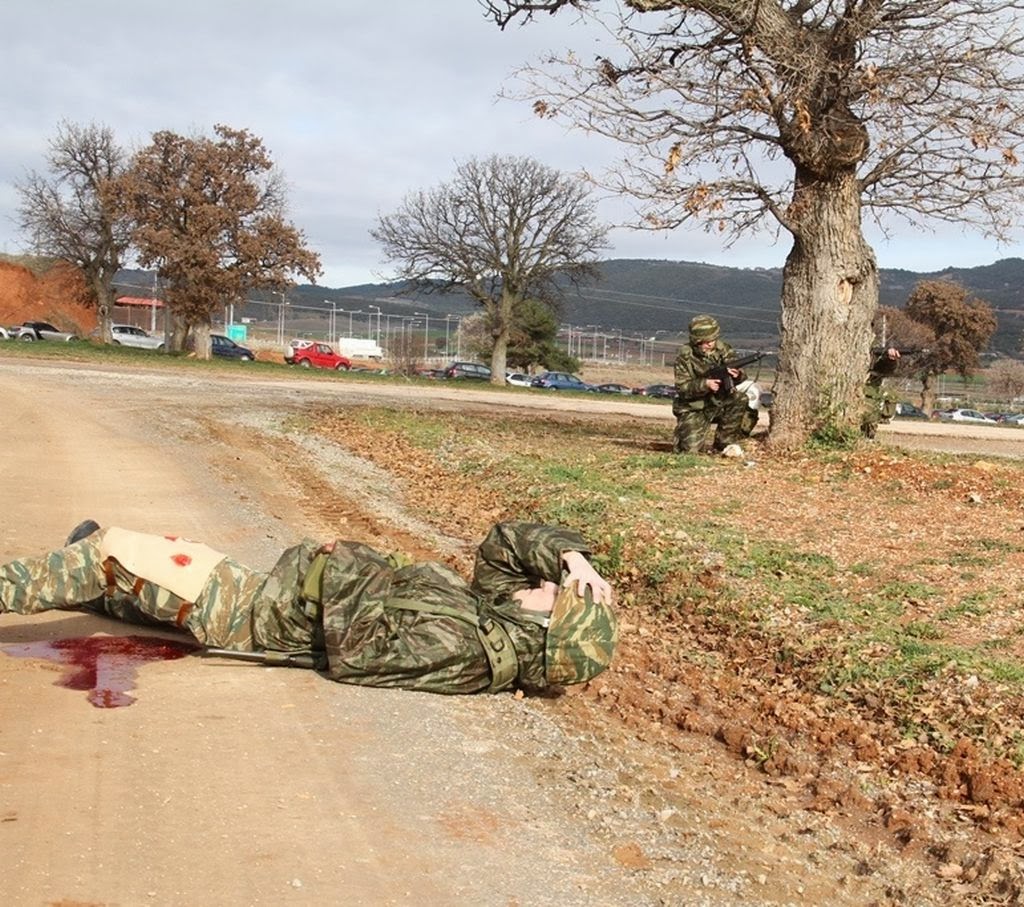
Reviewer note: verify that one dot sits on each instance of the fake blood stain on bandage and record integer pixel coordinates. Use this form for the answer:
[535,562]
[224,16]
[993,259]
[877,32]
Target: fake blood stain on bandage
[106,666]
[182,560]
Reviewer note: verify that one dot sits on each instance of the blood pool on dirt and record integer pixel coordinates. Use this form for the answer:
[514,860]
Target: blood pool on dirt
[106,666]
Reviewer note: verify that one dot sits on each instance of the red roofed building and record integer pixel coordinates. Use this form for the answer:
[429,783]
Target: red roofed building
[133,311]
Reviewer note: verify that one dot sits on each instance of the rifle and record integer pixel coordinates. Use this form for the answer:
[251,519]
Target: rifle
[271,659]
[720,373]
[877,351]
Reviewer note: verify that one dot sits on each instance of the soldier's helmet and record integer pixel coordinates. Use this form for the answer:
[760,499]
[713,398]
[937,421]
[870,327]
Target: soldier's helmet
[703,327]
[581,637]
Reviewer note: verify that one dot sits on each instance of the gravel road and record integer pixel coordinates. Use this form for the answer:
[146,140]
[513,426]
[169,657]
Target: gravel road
[231,784]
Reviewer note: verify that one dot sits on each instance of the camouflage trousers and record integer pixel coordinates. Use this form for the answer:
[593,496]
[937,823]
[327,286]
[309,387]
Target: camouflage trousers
[733,418]
[879,406]
[76,578]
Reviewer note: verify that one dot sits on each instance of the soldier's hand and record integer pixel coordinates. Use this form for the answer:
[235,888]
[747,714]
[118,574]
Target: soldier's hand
[713,384]
[582,573]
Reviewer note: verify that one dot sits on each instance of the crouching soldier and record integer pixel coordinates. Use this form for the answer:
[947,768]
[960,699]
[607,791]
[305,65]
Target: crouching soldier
[535,612]
[701,400]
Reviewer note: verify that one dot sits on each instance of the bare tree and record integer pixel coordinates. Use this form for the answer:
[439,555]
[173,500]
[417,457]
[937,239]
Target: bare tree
[66,217]
[504,230]
[1006,379]
[795,115]
[962,329]
[209,214]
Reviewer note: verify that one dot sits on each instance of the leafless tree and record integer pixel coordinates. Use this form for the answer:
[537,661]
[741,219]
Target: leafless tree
[404,354]
[504,230]
[800,116]
[1006,379]
[209,214]
[66,217]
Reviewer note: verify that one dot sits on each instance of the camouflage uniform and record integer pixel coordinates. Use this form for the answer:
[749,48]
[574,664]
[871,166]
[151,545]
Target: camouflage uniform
[371,621]
[696,409]
[879,404]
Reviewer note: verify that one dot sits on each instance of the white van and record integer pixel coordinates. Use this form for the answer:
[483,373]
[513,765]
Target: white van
[359,348]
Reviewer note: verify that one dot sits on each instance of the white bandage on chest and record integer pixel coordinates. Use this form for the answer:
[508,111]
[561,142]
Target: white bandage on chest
[178,565]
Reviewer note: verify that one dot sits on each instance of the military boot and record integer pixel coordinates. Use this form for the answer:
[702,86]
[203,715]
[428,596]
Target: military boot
[81,531]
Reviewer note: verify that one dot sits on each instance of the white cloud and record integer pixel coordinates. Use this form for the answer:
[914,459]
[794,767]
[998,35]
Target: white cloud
[358,103]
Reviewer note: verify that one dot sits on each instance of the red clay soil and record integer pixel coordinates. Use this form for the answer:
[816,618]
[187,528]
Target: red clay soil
[52,295]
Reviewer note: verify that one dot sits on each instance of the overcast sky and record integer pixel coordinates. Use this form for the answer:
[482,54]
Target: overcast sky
[358,103]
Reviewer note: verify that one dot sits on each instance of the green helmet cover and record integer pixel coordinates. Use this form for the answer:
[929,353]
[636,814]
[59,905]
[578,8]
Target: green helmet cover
[581,637]
[703,327]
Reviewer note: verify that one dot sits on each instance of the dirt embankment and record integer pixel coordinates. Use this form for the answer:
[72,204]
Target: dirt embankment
[52,295]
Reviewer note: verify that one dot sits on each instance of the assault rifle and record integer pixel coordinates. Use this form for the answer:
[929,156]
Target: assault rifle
[877,351]
[271,659]
[726,382]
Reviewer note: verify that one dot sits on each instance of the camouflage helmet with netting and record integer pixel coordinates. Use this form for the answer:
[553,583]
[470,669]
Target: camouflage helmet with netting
[703,327]
[581,637]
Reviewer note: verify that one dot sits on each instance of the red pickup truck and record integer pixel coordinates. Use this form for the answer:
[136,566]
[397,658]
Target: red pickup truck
[314,354]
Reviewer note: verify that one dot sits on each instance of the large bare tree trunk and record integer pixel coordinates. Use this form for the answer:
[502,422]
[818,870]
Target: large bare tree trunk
[502,331]
[104,301]
[829,295]
[929,391]
[201,333]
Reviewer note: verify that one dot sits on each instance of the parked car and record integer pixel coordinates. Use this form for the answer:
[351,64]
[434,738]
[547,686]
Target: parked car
[660,391]
[226,348]
[966,415]
[909,411]
[129,335]
[39,330]
[314,354]
[560,381]
[613,389]
[468,370]
[518,379]
[1014,419]
[3,334]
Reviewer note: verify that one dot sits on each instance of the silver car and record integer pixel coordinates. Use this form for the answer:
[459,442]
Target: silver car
[129,335]
[38,330]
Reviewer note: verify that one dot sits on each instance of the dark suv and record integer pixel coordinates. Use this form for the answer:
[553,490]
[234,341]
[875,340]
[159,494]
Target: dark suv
[468,370]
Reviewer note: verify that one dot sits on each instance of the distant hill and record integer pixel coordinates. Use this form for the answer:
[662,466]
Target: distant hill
[646,297]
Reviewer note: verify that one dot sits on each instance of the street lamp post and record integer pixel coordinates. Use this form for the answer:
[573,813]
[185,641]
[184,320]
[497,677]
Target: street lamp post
[280,319]
[426,332]
[332,326]
[377,309]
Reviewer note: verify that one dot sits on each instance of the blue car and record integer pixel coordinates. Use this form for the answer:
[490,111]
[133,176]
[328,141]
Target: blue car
[560,381]
[226,348]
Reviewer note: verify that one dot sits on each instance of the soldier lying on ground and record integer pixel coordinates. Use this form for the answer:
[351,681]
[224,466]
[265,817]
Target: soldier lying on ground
[535,613]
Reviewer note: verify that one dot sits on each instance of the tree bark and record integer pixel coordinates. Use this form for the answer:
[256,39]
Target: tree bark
[201,333]
[829,296]
[929,391]
[502,330]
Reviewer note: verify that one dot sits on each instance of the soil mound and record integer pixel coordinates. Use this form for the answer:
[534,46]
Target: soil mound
[51,293]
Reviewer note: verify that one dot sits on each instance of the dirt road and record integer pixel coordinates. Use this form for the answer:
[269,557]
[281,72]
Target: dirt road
[231,784]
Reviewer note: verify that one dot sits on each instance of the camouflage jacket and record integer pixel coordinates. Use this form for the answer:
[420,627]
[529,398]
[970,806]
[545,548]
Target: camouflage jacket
[372,637]
[881,368]
[691,371]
